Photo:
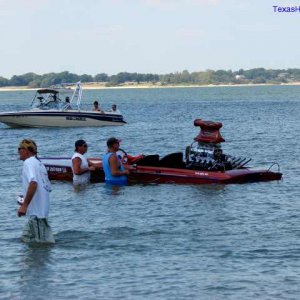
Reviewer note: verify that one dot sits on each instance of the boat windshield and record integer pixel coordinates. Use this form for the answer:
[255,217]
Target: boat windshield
[58,97]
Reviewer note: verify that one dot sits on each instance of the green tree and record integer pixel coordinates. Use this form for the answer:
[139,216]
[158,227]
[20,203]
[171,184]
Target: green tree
[35,83]
[86,78]
[102,77]
[4,81]
[17,81]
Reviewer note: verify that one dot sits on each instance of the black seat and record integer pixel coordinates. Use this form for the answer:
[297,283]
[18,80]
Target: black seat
[149,161]
[173,160]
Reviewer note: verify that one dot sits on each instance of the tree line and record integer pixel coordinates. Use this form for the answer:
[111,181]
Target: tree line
[256,76]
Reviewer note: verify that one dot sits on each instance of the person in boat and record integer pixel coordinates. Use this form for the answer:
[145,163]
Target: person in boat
[114,171]
[114,109]
[96,107]
[55,99]
[41,102]
[81,167]
[67,103]
[35,202]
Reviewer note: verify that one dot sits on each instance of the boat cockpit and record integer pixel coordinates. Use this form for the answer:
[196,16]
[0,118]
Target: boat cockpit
[59,98]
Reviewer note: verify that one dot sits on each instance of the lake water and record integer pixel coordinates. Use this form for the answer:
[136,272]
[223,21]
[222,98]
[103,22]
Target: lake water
[163,241]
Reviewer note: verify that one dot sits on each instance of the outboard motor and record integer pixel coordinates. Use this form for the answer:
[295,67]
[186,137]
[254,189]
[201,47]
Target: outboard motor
[205,153]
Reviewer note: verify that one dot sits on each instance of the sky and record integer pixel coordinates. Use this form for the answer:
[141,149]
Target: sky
[146,36]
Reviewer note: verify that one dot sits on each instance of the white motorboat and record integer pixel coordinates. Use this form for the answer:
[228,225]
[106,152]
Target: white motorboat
[48,109]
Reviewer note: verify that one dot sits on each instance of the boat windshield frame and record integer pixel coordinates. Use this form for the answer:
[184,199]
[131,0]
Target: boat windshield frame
[49,98]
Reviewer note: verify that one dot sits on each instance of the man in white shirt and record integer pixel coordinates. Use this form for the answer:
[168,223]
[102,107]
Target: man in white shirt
[36,189]
[81,167]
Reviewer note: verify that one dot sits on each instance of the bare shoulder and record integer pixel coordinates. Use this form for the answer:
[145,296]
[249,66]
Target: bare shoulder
[113,158]
[76,159]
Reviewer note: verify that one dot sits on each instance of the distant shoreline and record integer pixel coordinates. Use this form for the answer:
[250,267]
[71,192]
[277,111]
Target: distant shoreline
[94,86]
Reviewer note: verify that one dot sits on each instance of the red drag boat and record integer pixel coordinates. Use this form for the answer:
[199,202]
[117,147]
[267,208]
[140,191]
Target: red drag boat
[204,163]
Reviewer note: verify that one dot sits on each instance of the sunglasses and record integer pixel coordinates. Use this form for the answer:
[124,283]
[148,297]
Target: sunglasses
[20,148]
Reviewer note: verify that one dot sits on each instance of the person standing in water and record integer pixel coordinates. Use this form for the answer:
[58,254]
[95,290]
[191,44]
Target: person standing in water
[115,173]
[81,167]
[36,190]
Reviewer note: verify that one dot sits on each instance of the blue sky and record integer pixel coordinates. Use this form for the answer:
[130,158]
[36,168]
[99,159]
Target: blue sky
[146,36]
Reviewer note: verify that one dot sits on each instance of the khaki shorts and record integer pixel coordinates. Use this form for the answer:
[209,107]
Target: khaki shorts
[37,231]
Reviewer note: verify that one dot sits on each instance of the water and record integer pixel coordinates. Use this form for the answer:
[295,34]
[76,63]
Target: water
[163,241]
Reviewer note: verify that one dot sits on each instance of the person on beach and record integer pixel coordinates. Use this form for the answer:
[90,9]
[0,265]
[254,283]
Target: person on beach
[115,173]
[36,200]
[96,106]
[81,167]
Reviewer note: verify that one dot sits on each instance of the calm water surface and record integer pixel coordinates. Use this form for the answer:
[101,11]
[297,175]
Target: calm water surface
[163,241]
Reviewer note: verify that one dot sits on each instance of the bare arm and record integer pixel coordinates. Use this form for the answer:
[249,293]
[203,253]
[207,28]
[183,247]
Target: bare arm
[77,169]
[115,167]
[28,197]
[94,166]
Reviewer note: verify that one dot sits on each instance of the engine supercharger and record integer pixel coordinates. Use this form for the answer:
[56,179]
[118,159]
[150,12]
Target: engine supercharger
[209,132]
[206,152]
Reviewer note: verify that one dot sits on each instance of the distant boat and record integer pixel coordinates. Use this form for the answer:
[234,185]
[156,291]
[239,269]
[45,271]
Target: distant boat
[48,109]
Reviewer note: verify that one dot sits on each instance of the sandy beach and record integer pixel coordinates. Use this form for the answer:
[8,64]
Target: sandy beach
[99,86]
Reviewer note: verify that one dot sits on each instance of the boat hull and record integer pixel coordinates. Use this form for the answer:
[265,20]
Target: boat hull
[60,169]
[70,118]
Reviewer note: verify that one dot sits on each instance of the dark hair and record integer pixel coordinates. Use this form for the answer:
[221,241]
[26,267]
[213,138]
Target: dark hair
[79,143]
[96,103]
[112,141]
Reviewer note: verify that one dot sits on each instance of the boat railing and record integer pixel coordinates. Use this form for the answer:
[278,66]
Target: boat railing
[274,164]
[77,94]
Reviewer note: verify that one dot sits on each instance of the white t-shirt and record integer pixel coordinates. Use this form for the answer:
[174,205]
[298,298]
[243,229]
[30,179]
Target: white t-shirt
[114,111]
[84,177]
[34,170]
